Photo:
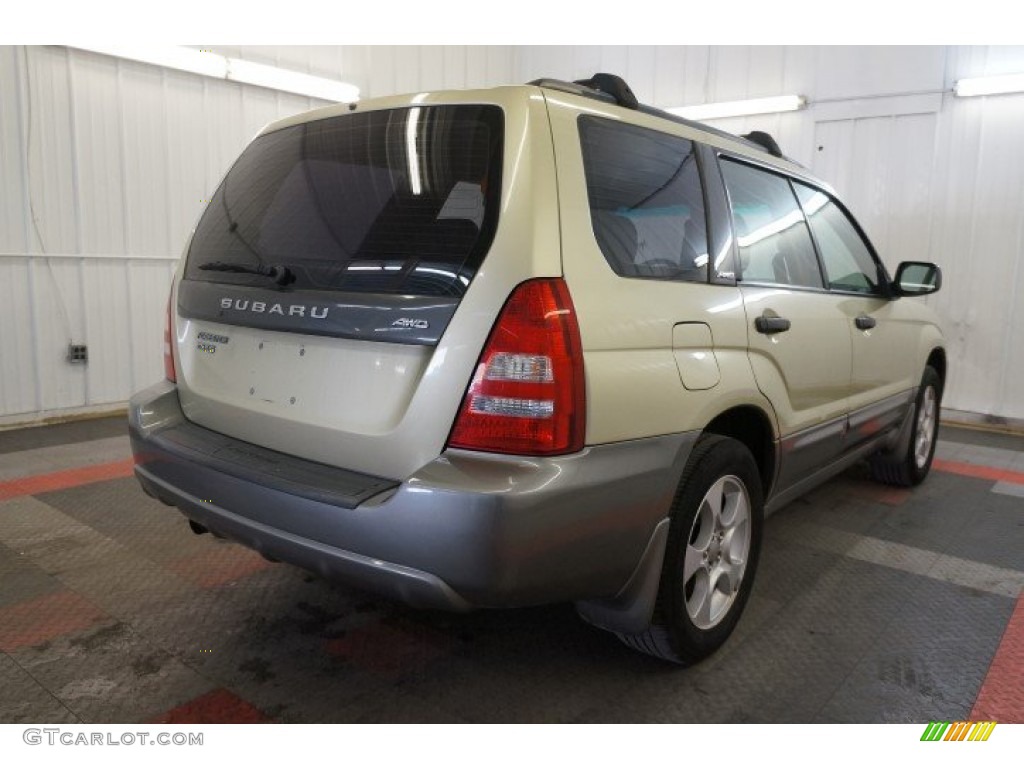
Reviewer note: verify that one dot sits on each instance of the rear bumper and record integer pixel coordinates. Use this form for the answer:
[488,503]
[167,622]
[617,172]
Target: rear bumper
[466,530]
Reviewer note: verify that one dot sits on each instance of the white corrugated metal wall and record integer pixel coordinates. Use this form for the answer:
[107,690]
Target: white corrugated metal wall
[118,157]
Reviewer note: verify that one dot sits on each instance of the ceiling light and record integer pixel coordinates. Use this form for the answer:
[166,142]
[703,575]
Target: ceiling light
[210,64]
[740,108]
[986,86]
[170,56]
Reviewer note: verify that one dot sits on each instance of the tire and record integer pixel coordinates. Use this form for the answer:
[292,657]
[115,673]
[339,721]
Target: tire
[913,466]
[690,622]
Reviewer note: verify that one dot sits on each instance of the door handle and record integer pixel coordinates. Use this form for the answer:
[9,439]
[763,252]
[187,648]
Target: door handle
[769,324]
[864,322]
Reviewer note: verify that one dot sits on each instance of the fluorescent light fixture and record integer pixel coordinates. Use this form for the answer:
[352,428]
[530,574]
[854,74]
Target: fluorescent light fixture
[288,80]
[170,56]
[987,86]
[225,68]
[740,108]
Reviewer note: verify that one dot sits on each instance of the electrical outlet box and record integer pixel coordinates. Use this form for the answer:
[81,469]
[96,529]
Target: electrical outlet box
[78,353]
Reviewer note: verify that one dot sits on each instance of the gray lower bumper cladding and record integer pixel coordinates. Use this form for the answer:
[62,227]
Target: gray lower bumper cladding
[466,530]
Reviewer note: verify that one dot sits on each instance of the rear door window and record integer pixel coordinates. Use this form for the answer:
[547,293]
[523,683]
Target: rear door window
[646,200]
[774,243]
[390,201]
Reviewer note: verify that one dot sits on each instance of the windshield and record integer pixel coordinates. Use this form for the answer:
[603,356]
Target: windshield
[392,201]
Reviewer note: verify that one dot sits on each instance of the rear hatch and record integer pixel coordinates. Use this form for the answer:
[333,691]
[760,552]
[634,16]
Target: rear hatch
[322,278]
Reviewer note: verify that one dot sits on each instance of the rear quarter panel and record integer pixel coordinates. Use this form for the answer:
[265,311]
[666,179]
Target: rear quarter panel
[634,388]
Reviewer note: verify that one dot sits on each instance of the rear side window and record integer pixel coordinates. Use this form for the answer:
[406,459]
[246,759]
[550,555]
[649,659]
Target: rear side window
[391,201]
[646,200]
[847,260]
[774,243]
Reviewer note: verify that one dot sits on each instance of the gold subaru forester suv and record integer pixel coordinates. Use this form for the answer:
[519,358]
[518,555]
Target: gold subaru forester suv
[531,344]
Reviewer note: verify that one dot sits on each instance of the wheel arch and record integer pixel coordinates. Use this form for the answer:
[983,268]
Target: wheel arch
[751,426]
[937,360]
[631,611]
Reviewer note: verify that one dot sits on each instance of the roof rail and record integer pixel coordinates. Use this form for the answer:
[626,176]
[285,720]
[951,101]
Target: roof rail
[614,86]
[576,88]
[765,140]
[601,86]
[614,90]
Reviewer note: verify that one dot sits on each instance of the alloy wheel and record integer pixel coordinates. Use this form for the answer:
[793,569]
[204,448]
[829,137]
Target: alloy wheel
[717,552]
[926,421]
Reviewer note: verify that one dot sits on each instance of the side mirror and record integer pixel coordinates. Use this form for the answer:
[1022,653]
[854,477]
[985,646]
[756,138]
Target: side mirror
[917,278]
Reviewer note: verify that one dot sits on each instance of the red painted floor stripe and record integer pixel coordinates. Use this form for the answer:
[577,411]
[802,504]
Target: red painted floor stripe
[882,494]
[978,470]
[36,621]
[67,478]
[217,706]
[1001,697]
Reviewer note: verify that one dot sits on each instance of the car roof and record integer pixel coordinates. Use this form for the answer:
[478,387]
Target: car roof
[757,146]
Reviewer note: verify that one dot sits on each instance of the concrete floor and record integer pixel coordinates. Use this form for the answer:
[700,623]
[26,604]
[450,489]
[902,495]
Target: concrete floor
[871,604]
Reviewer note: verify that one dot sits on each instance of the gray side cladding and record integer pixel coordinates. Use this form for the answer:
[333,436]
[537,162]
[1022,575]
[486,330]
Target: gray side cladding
[392,318]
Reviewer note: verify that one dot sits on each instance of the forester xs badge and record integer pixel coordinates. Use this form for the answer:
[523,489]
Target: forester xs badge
[214,337]
[263,307]
[207,342]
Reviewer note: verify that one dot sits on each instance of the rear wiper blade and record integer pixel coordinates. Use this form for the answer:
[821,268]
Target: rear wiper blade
[279,273]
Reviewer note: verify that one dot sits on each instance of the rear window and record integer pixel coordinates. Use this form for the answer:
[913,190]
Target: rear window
[391,201]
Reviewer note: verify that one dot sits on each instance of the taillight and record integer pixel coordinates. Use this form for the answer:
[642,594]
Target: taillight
[527,394]
[169,372]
